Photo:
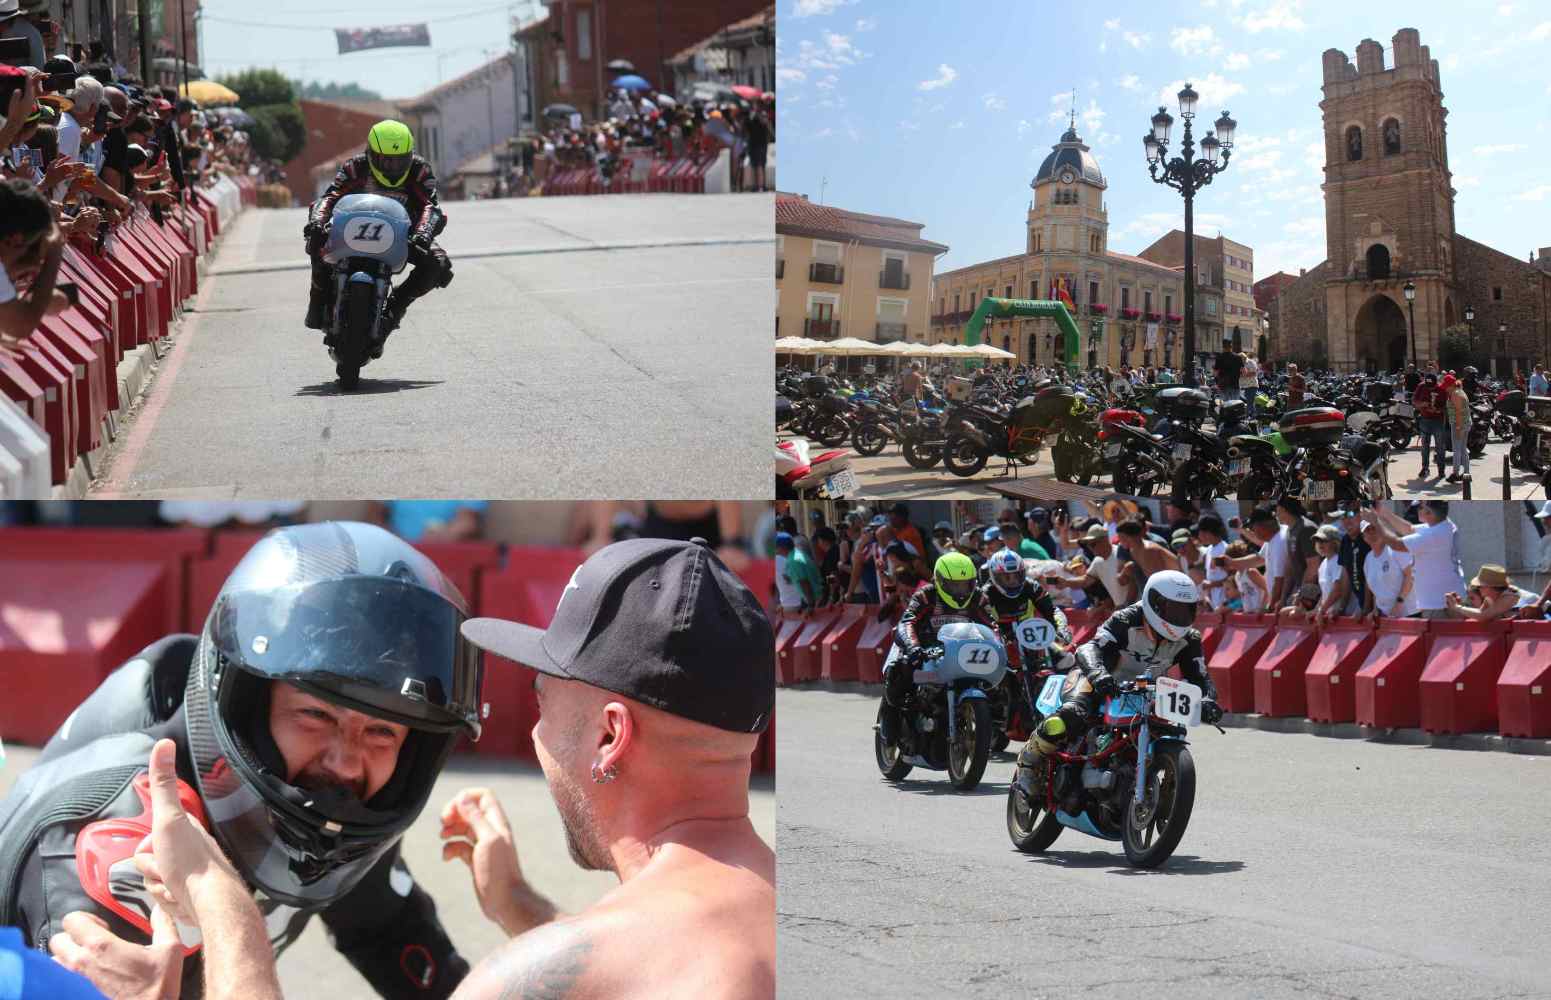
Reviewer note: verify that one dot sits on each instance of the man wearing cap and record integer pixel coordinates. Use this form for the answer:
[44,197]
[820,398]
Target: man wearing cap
[1434,546]
[1500,597]
[797,579]
[16,21]
[1104,568]
[942,537]
[1038,522]
[1335,592]
[656,677]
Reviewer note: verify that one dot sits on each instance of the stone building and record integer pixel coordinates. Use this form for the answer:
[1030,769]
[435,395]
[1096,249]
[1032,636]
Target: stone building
[1130,309]
[1225,272]
[1389,220]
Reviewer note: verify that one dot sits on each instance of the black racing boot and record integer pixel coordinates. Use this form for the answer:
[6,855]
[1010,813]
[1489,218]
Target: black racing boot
[392,316]
[316,304]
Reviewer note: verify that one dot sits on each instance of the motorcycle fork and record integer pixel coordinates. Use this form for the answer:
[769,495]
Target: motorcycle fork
[953,717]
[1143,752]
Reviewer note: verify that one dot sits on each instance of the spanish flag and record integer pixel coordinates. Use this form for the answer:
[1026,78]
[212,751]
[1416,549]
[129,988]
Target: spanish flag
[1062,294]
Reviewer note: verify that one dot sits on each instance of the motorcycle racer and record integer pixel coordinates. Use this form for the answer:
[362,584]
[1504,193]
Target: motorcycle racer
[390,168]
[1013,597]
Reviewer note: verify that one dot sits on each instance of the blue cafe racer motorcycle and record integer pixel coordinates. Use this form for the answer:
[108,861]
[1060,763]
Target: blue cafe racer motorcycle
[1131,779]
[368,243]
[949,728]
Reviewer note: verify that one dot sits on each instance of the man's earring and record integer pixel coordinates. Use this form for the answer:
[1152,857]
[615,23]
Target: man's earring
[605,775]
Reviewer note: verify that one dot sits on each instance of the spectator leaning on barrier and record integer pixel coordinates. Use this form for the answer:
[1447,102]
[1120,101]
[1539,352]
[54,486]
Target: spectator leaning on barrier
[1500,597]
[1249,582]
[1434,548]
[1298,531]
[1335,592]
[797,579]
[1211,539]
[1147,556]
[31,247]
[1389,574]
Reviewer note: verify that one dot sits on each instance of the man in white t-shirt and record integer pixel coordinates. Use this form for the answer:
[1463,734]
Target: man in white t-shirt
[1104,568]
[1211,540]
[1434,548]
[1390,577]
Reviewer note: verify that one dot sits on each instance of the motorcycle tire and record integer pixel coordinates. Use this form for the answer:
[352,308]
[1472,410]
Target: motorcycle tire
[891,763]
[921,454]
[832,432]
[1188,483]
[1259,485]
[360,307]
[1125,483]
[867,440]
[1399,439]
[1175,771]
[1031,828]
[1476,440]
[963,457]
[968,754]
[1061,459]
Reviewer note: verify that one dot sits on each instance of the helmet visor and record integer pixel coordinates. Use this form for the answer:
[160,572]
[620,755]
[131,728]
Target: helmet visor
[1010,581]
[379,645]
[957,591]
[1180,614]
[392,166]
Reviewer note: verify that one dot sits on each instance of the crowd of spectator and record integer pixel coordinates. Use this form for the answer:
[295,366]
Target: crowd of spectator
[81,146]
[648,120]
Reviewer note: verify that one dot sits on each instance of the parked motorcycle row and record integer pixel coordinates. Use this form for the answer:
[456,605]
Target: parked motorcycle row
[1335,445]
[1130,780]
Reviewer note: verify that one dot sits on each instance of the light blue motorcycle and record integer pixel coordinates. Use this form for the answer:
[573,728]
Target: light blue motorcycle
[949,728]
[1131,780]
[368,243]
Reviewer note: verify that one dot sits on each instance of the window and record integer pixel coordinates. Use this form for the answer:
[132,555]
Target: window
[1034,289]
[1037,241]
[826,253]
[971,301]
[1391,137]
[1206,275]
[562,69]
[955,301]
[1168,304]
[1093,243]
[1147,301]
[1354,143]
[942,305]
[1125,297]
[1497,293]
[1211,307]
[583,34]
[1009,292]
[1093,292]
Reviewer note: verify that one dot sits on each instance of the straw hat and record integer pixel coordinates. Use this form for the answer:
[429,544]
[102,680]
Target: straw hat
[1492,575]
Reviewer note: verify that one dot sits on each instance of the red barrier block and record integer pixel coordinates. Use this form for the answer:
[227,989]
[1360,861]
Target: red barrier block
[1386,686]
[1524,688]
[1459,684]
[1232,666]
[1278,675]
[21,389]
[66,626]
[1083,623]
[462,562]
[805,649]
[1210,624]
[787,628]
[42,365]
[88,369]
[759,577]
[837,655]
[1328,688]
[873,647]
[174,548]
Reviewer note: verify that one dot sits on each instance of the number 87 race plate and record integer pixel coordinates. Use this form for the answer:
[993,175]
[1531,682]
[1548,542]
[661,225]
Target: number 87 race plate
[1177,701]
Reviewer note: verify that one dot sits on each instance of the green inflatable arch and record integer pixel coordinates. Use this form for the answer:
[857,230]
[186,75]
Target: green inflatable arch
[1002,308]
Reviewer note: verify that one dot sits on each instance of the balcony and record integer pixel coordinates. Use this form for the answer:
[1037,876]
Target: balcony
[780,268]
[1360,273]
[821,329]
[900,281]
[826,274]
[890,331]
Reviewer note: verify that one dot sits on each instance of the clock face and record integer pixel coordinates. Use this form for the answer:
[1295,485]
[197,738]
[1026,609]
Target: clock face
[1067,177]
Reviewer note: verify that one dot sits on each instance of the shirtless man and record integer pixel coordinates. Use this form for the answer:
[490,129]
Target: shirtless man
[656,793]
[1147,556]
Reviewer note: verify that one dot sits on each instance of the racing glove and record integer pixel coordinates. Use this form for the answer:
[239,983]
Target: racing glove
[1211,712]
[1106,686]
[421,239]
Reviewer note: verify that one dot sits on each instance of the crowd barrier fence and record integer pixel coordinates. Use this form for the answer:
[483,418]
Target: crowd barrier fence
[61,391]
[1439,676]
[78,602]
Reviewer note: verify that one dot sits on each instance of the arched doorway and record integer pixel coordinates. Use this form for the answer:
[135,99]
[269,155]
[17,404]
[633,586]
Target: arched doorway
[1380,335]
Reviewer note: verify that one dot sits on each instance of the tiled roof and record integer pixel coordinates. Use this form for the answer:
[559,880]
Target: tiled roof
[1143,262]
[797,216]
[747,24]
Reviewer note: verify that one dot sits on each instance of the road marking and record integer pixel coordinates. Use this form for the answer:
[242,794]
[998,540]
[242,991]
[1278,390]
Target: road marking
[532,252]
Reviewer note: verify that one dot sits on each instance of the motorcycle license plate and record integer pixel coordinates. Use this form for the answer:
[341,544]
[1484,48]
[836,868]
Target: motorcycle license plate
[1182,451]
[1403,410]
[1319,489]
[1112,450]
[842,483]
[1035,633]
[1177,701]
[1238,467]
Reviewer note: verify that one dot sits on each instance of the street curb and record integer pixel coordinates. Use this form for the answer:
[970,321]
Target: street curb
[1288,724]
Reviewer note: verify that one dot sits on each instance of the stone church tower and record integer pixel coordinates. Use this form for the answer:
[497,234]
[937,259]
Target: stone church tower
[1389,204]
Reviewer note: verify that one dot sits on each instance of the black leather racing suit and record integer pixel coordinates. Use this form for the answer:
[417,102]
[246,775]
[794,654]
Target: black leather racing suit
[386,926]
[1032,600]
[924,614]
[1122,650]
[432,268]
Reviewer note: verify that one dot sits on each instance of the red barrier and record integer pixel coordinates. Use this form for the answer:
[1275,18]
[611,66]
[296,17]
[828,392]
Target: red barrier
[1083,623]
[463,562]
[1328,683]
[1278,673]
[20,388]
[1210,624]
[1459,685]
[1386,686]
[52,659]
[787,628]
[1524,688]
[44,367]
[1232,666]
[872,649]
[205,576]
[807,648]
[837,655]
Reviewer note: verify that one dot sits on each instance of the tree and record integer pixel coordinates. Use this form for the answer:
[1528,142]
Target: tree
[1454,349]
[258,87]
[288,132]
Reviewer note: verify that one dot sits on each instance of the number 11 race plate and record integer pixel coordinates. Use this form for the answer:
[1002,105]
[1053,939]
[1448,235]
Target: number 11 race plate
[1177,701]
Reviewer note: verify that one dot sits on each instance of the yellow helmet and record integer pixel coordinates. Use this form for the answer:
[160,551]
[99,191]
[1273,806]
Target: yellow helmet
[390,150]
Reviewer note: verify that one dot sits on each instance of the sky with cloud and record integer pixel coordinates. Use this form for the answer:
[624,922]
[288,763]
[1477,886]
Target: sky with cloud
[940,112]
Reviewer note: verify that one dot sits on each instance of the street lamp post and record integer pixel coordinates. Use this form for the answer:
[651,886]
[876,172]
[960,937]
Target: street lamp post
[1470,331]
[1187,175]
[1410,290]
[1502,347]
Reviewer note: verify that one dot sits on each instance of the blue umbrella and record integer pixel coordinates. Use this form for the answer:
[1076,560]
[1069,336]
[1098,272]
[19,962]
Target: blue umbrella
[631,82]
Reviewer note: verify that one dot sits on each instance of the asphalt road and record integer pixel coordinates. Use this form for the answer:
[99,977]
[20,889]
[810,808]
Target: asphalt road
[312,968]
[1312,867]
[588,347]
[887,476]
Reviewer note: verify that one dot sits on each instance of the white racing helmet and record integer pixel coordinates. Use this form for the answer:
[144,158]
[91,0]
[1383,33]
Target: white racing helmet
[1169,602]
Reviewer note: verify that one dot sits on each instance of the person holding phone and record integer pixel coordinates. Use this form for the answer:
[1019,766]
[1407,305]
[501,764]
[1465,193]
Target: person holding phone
[30,244]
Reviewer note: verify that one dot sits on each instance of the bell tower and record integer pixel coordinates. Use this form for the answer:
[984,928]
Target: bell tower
[1389,203]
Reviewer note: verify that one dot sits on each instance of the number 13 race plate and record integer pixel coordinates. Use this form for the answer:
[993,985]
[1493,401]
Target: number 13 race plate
[1177,701]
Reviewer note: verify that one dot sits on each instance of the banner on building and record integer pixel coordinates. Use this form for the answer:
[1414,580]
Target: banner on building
[382,37]
[1152,336]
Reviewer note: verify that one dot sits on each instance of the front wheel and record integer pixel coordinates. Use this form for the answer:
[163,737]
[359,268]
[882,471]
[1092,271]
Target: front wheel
[831,432]
[968,753]
[350,355]
[963,457]
[921,454]
[1028,825]
[891,763]
[1152,828]
[1475,440]
[868,439]
[1260,484]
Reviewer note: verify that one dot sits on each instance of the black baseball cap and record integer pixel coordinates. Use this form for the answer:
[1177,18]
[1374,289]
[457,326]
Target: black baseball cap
[663,622]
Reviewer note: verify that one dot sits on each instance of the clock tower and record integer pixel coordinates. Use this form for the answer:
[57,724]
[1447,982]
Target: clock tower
[1067,216]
